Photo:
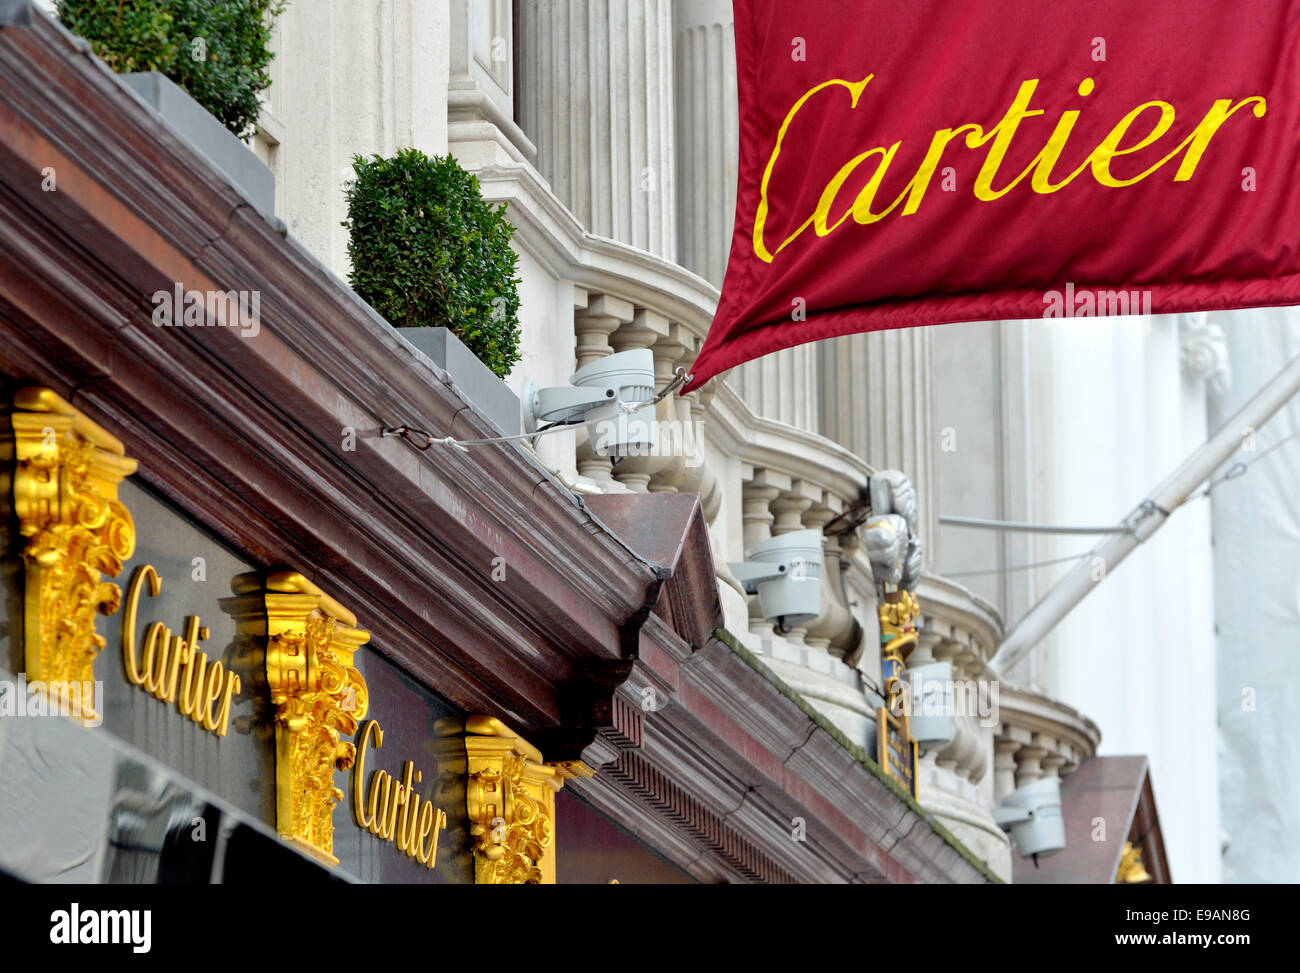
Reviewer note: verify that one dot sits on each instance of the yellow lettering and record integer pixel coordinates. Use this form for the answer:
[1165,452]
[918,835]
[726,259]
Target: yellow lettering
[142,575]
[1109,147]
[215,687]
[862,205]
[359,771]
[192,686]
[1219,113]
[760,215]
[925,172]
[1040,170]
[233,685]
[440,824]
[157,640]
[422,853]
[1002,134]
[380,786]
[402,829]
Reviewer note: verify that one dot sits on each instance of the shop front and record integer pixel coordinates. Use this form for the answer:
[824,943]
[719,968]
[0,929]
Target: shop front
[246,634]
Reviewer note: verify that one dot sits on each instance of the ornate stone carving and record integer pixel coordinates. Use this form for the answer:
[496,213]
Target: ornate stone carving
[66,470]
[1203,351]
[895,553]
[317,697]
[509,795]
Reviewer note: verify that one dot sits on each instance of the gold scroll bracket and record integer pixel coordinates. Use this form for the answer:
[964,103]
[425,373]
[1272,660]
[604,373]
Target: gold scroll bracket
[65,475]
[317,696]
[509,796]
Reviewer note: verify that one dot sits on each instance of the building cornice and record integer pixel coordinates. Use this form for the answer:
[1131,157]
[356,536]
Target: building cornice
[247,434]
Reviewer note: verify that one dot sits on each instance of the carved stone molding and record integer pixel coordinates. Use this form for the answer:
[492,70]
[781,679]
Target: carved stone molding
[66,470]
[1203,351]
[509,796]
[317,697]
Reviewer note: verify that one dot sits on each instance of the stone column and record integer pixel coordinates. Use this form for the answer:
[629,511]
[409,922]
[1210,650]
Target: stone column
[877,399]
[781,386]
[596,99]
[708,134]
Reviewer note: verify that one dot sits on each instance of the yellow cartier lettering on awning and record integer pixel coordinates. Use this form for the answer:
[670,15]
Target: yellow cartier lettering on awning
[392,810]
[170,667]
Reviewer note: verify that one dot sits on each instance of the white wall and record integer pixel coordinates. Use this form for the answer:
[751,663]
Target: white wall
[1257,599]
[1073,422]
[351,77]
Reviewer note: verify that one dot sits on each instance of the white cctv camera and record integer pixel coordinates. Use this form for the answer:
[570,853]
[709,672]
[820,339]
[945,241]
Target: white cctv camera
[605,394]
[933,703]
[1033,816]
[785,572]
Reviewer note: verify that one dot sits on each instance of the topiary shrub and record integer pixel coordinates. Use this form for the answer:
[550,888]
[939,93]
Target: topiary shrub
[217,50]
[428,251]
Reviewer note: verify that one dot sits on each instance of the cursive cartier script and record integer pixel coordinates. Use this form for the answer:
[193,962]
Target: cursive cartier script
[832,210]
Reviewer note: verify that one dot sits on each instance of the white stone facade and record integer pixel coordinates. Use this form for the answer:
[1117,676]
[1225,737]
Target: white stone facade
[608,128]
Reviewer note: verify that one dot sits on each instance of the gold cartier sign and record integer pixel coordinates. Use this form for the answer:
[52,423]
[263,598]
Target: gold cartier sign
[393,810]
[170,667]
[831,211]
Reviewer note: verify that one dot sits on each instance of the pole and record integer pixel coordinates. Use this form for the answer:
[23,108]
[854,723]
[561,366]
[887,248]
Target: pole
[1144,520]
[1013,525]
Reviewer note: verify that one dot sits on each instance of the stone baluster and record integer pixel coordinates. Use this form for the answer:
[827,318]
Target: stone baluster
[835,618]
[757,496]
[643,331]
[1053,759]
[1029,763]
[788,511]
[1004,766]
[673,413]
[594,324]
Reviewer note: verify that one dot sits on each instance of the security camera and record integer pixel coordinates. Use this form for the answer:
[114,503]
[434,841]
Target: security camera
[1033,816]
[605,395]
[933,704]
[785,572]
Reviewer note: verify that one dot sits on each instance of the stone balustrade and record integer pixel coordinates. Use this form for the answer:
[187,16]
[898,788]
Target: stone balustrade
[1038,737]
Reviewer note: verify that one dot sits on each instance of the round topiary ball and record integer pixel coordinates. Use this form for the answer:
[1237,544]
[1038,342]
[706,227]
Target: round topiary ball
[428,251]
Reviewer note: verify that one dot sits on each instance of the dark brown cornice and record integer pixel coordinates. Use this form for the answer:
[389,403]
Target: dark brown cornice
[247,434]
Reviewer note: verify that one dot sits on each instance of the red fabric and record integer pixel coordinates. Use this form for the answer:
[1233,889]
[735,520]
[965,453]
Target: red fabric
[1201,243]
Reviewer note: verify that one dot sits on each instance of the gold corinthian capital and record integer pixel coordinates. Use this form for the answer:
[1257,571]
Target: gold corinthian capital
[509,796]
[317,697]
[65,471]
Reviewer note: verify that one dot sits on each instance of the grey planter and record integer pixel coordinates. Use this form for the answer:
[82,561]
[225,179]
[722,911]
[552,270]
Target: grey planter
[193,123]
[477,383]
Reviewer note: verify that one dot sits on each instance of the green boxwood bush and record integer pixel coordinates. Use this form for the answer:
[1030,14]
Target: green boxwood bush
[217,50]
[427,251]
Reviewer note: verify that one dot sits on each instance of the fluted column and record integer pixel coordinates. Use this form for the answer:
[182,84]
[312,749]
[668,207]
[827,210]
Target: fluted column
[597,101]
[877,399]
[708,134]
[783,385]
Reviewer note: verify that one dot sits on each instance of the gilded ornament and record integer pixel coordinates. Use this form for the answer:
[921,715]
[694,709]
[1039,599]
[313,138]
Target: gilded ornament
[66,471]
[1131,870]
[317,696]
[509,795]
